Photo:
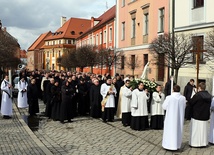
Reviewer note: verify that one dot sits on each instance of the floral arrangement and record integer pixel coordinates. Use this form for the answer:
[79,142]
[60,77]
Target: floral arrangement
[149,85]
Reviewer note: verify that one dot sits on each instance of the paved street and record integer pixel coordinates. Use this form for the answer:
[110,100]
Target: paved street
[83,136]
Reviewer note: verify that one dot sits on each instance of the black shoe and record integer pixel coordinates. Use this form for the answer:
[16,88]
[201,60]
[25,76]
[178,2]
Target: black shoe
[62,122]
[104,121]
[70,121]
[6,117]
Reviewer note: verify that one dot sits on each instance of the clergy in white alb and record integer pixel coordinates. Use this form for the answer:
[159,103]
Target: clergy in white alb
[139,112]
[174,105]
[200,110]
[126,103]
[22,94]
[211,134]
[157,112]
[108,92]
[6,102]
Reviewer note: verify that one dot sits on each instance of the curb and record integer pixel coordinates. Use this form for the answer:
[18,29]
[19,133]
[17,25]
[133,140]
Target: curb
[32,135]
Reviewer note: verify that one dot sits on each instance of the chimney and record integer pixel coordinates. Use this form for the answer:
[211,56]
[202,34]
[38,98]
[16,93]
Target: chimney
[63,20]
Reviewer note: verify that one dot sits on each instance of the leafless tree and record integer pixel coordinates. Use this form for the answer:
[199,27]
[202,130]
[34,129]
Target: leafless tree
[86,56]
[68,59]
[209,44]
[133,62]
[174,49]
[108,57]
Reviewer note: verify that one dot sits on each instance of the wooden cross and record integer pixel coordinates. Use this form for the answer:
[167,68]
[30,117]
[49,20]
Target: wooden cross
[198,49]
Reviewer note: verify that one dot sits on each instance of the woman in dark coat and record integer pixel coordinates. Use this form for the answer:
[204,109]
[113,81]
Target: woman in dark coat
[95,100]
[66,105]
[32,94]
[56,101]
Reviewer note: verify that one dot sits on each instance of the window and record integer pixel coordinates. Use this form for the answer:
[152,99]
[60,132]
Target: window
[122,62]
[161,20]
[59,53]
[123,3]
[198,44]
[146,24]
[133,61]
[69,41]
[53,67]
[133,27]
[198,3]
[53,53]
[123,31]
[47,53]
[104,39]
[145,59]
[110,34]
[59,41]
[97,37]
[101,37]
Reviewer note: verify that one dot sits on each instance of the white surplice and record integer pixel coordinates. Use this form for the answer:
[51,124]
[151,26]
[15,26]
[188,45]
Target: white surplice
[6,103]
[126,100]
[139,103]
[174,120]
[22,96]
[156,104]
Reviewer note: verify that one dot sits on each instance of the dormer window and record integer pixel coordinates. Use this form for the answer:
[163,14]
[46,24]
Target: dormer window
[73,32]
[81,33]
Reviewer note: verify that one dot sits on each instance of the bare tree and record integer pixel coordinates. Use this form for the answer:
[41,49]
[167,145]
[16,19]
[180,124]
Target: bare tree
[133,62]
[175,50]
[86,56]
[108,57]
[209,43]
[68,59]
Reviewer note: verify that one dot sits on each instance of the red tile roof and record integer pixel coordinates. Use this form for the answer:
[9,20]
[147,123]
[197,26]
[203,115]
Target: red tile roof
[73,28]
[103,19]
[39,41]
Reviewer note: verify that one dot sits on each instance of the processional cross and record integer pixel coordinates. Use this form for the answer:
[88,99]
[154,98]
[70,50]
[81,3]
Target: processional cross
[198,49]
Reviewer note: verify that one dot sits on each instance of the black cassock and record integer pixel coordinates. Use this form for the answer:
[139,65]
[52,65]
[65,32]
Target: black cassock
[66,105]
[95,101]
[49,97]
[82,98]
[56,102]
[32,95]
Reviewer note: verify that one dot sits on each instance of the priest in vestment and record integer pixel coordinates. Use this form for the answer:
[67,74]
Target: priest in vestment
[6,102]
[139,112]
[108,92]
[126,103]
[200,106]
[174,105]
[22,94]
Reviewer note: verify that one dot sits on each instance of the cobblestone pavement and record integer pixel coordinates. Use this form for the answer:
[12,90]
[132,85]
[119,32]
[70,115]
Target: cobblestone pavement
[85,136]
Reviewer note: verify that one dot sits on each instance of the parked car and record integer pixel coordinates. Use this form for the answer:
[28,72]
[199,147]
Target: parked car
[15,86]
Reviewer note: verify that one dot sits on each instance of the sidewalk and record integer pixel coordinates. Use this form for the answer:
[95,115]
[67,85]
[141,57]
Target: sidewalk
[84,136]
[17,138]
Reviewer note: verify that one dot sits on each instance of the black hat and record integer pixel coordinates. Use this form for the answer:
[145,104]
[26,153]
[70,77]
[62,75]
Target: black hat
[108,77]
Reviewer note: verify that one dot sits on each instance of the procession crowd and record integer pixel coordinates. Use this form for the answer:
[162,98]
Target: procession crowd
[68,95]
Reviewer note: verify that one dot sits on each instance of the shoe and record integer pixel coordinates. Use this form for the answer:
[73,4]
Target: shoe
[70,121]
[62,122]
[104,121]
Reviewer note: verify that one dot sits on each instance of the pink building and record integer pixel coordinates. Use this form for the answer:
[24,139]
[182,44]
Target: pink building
[138,23]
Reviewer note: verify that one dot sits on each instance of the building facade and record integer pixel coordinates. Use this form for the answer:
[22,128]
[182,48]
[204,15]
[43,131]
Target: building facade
[198,22]
[101,35]
[35,53]
[138,23]
[62,41]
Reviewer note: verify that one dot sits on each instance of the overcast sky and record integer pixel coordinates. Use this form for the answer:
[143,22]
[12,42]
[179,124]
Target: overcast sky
[27,19]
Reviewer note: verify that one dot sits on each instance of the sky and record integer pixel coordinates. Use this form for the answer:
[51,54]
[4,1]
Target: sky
[27,19]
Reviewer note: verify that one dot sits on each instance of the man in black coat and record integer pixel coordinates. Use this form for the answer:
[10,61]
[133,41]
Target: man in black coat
[189,90]
[95,100]
[32,94]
